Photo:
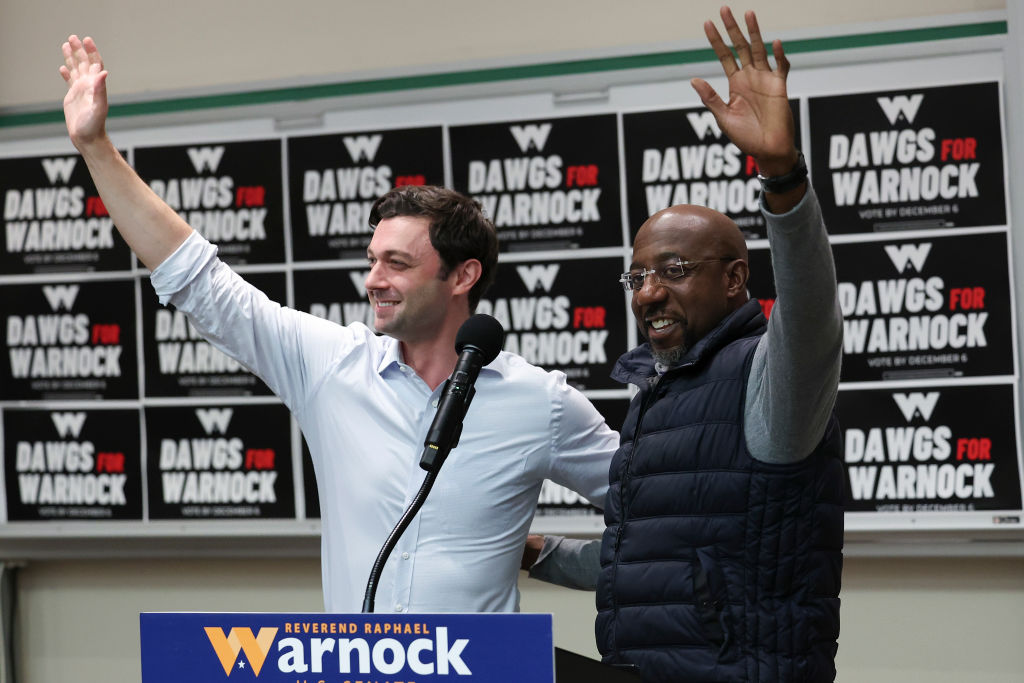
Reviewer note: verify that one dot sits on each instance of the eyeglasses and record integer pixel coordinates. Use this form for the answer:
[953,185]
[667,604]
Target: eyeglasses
[669,272]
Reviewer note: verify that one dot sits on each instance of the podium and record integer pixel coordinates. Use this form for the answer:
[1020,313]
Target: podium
[236,647]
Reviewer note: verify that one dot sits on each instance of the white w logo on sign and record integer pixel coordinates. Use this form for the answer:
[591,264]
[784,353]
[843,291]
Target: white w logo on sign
[214,419]
[893,107]
[917,403]
[362,147]
[703,122]
[538,275]
[59,169]
[358,278]
[532,136]
[905,254]
[60,296]
[206,158]
[68,424]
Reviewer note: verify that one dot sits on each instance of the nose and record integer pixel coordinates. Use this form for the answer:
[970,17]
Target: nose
[651,291]
[375,278]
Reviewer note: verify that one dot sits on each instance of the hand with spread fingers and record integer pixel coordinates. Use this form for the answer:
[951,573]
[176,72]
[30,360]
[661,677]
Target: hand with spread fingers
[85,104]
[757,117]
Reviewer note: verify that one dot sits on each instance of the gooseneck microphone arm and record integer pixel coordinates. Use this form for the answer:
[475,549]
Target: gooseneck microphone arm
[478,342]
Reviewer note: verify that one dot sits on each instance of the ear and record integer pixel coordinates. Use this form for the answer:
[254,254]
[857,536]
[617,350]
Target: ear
[736,273]
[465,275]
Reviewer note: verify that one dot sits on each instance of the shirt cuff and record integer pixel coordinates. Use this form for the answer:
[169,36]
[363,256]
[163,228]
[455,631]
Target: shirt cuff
[181,267]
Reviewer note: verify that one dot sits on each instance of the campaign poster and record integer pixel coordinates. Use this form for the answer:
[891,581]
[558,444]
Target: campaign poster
[935,449]
[333,181]
[681,156]
[229,192]
[911,159]
[72,464]
[557,500]
[69,341]
[312,491]
[54,219]
[918,309]
[335,294]
[546,184]
[568,315]
[179,362]
[219,461]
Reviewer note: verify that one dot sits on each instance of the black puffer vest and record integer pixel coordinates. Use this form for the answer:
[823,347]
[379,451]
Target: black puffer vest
[715,566]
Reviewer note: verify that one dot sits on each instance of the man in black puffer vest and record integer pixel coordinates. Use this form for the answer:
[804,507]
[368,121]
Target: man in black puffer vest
[722,556]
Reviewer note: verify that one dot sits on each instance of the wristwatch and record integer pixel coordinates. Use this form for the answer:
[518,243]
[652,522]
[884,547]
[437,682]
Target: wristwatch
[784,183]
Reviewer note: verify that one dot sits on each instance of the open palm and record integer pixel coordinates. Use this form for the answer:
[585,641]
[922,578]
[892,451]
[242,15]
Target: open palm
[85,104]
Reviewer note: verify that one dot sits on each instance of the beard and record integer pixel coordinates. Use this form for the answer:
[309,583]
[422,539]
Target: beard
[670,358]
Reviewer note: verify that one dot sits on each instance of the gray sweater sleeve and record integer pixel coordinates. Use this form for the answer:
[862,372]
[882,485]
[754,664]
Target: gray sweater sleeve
[569,562]
[795,374]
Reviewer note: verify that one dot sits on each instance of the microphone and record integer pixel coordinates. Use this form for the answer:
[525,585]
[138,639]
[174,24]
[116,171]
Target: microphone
[477,342]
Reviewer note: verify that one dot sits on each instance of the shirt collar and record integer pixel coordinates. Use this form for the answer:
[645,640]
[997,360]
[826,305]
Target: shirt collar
[392,356]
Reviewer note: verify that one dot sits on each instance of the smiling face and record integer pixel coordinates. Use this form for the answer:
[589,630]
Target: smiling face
[410,298]
[674,315]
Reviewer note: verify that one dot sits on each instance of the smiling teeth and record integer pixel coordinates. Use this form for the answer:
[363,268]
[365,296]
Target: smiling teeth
[382,304]
[658,324]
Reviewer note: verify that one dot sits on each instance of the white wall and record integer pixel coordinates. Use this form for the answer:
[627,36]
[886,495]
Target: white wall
[936,619]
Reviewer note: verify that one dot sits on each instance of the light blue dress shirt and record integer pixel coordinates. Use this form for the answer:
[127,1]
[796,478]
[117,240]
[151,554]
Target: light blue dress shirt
[364,414]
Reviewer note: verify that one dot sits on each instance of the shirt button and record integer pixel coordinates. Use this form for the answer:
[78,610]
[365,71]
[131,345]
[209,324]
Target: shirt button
[398,607]
[434,402]
[405,556]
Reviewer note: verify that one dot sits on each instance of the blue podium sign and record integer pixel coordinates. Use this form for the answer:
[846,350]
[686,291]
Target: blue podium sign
[209,647]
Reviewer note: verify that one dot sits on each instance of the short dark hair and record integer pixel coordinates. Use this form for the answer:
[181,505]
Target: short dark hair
[459,231]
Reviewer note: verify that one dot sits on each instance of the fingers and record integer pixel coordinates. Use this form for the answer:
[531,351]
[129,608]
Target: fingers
[736,35]
[92,53]
[723,53]
[708,96]
[780,58]
[757,50]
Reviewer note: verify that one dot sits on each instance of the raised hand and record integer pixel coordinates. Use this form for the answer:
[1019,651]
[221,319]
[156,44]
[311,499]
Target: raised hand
[757,117]
[85,104]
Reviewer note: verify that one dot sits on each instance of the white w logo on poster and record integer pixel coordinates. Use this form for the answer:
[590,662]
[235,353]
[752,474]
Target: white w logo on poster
[532,136]
[214,419]
[905,254]
[206,157]
[59,169]
[68,424]
[358,278]
[892,107]
[538,275]
[362,147]
[703,122]
[917,403]
[60,296]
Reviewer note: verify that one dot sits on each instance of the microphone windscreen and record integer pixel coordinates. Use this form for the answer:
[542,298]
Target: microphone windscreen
[483,332]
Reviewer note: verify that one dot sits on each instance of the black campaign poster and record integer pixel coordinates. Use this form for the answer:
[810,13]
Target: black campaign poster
[681,156]
[72,464]
[916,309]
[180,363]
[333,181]
[567,315]
[225,461]
[335,294]
[546,184]
[940,448]
[914,159]
[229,192]
[69,341]
[54,220]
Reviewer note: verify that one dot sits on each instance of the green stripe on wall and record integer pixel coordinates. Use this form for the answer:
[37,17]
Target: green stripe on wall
[508,73]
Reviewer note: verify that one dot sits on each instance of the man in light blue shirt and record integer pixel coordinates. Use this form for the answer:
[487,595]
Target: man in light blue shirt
[365,402]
